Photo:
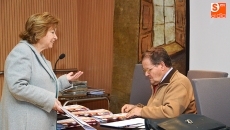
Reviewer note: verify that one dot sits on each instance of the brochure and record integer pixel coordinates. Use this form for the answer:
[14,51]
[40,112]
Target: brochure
[78,120]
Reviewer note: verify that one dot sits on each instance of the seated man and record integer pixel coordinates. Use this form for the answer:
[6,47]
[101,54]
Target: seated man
[172,92]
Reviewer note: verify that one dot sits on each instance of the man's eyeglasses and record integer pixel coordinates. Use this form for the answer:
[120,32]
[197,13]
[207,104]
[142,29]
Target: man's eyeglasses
[148,70]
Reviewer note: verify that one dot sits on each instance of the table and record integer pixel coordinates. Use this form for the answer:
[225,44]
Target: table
[88,98]
[66,70]
[74,99]
[98,127]
[77,98]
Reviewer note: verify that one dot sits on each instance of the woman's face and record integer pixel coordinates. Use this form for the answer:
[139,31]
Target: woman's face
[48,40]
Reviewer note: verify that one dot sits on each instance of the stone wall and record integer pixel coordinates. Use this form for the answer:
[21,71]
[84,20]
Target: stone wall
[125,53]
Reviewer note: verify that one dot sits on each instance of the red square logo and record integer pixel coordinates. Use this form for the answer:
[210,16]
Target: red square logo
[218,10]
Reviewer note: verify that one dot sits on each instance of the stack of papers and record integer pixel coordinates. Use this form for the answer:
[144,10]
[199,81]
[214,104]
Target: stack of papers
[81,116]
[129,123]
[78,120]
[96,91]
[111,117]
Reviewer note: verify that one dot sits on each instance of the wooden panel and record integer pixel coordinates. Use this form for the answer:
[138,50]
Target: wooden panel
[85,35]
[180,22]
[94,104]
[146,25]
[99,104]
[95,50]
[145,43]
[146,21]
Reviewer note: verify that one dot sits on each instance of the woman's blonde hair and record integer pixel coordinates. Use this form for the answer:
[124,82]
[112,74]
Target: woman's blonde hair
[37,26]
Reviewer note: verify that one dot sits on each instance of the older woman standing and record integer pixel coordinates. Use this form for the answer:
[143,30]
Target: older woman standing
[29,100]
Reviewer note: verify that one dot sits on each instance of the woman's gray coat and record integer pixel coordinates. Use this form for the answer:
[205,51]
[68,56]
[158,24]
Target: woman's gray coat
[29,91]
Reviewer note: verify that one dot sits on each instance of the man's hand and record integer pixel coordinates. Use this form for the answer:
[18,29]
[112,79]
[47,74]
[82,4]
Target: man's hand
[127,107]
[136,111]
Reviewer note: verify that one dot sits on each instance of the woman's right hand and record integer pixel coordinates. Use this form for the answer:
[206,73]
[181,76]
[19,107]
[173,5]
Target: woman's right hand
[57,105]
[73,77]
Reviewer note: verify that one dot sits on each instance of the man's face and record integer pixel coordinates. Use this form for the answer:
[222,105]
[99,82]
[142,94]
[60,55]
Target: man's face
[153,72]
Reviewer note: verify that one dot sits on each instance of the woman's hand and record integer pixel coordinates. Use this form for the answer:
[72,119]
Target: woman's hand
[73,77]
[57,106]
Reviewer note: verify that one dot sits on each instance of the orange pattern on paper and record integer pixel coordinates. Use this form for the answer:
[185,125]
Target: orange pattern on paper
[218,10]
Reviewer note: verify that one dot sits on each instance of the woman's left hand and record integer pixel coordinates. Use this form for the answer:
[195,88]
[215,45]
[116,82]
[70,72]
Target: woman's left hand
[73,77]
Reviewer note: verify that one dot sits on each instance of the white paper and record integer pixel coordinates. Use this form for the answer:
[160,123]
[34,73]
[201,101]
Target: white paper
[78,120]
[129,123]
